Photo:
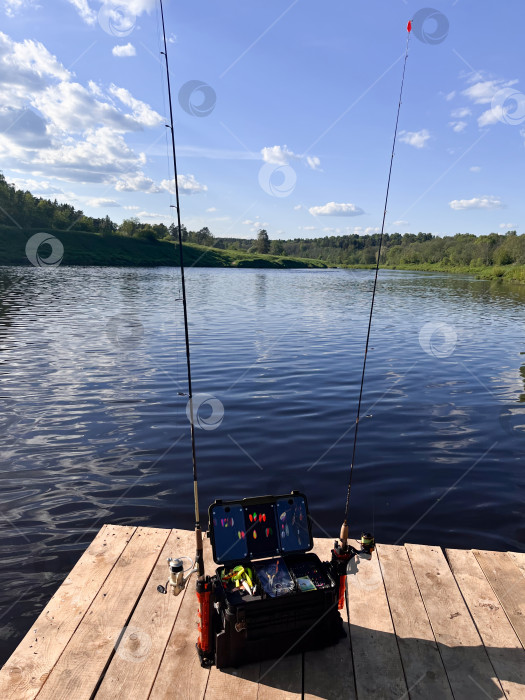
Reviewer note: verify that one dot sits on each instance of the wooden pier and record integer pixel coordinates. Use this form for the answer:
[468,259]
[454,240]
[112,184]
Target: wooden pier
[422,623]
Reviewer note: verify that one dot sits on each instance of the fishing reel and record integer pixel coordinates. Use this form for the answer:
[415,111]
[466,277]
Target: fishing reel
[177,579]
[343,552]
[367,542]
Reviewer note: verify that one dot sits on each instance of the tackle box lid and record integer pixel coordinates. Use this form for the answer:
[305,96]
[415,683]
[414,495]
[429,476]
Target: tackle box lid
[259,528]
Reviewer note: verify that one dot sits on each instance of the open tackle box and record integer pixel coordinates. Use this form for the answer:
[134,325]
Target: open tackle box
[270,596]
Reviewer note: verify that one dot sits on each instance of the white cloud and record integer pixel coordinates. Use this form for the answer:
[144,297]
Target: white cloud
[71,108]
[491,116]
[256,224]
[400,222]
[39,188]
[122,50]
[132,8]
[101,157]
[187,185]
[137,182]
[151,215]
[14,6]
[281,155]
[336,209]
[313,162]
[95,89]
[211,209]
[458,126]
[102,202]
[461,113]
[307,228]
[141,112]
[475,168]
[483,91]
[508,227]
[417,139]
[488,202]
[132,207]
[56,127]
[450,96]
[87,14]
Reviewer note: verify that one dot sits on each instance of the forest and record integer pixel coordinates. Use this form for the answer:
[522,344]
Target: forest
[29,213]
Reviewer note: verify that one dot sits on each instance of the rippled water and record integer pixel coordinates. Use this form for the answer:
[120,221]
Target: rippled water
[93,424]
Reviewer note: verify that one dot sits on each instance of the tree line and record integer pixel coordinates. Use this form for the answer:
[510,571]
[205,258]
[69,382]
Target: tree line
[22,209]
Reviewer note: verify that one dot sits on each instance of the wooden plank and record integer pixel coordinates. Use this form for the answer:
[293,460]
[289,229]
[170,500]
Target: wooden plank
[84,659]
[237,683]
[180,674]
[503,647]
[424,671]
[281,679]
[377,664]
[134,666]
[329,672]
[519,559]
[508,584]
[468,668]
[25,672]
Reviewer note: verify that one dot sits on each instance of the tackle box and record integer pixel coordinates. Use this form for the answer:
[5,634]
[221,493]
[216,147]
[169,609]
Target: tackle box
[291,604]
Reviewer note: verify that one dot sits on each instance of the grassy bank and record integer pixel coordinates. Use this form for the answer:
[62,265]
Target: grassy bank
[92,249]
[509,273]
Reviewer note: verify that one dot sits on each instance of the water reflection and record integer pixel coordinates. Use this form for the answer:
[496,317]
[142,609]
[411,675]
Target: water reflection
[93,425]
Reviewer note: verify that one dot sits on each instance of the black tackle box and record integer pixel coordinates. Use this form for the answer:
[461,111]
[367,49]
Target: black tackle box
[270,596]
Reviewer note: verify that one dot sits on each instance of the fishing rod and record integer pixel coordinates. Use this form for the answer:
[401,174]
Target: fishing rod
[177,579]
[367,540]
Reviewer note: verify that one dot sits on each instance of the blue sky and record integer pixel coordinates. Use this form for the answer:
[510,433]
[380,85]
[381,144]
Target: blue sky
[293,128]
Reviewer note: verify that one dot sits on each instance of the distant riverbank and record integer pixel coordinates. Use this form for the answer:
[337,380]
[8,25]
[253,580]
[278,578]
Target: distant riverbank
[509,273]
[119,251]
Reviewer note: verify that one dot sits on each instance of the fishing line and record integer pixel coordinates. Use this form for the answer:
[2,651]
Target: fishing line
[199,561]
[409,29]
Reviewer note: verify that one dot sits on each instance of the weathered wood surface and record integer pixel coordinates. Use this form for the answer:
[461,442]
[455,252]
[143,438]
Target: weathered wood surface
[419,625]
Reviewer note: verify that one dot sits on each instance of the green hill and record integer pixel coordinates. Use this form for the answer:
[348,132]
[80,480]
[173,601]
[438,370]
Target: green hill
[82,248]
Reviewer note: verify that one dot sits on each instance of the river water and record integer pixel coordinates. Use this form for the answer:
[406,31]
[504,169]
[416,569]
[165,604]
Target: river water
[93,411]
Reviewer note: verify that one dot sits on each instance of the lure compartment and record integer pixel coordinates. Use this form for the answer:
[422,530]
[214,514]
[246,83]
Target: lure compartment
[293,605]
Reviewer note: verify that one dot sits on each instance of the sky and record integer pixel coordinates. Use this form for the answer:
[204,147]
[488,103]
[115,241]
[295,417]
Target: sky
[284,112]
